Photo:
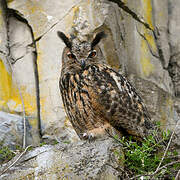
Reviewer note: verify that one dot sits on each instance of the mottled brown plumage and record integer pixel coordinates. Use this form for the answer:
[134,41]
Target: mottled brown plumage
[95,96]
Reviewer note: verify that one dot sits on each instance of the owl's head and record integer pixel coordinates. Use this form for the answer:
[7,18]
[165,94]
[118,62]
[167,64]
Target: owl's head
[79,54]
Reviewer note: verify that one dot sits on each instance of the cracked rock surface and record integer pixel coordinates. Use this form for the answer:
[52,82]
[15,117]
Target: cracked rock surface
[82,160]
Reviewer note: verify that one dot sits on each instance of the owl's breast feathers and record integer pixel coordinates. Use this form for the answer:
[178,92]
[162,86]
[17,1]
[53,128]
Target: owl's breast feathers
[98,95]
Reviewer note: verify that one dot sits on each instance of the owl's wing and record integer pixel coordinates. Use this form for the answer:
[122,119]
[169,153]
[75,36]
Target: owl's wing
[116,100]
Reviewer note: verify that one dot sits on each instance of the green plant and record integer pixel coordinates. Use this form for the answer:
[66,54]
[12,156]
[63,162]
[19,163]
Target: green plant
[66,142]
[5,153]
[144,157]
[42,144]
[52,142]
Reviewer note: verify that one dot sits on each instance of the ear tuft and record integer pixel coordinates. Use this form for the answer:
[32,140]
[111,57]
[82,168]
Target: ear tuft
[97,39]
[64,39]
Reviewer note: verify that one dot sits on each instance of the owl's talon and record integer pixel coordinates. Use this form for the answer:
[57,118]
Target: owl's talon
[88,136]
[84,134]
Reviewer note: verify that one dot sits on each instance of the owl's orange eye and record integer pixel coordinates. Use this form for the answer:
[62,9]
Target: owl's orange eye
[92,54]
[70,56]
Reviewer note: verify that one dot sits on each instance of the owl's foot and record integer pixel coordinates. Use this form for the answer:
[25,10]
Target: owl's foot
[88,136]
[97,132]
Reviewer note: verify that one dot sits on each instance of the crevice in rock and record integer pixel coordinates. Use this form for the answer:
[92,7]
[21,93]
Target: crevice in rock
[159,55]
[52,26]
[3,53]
[174,72]
[155,32]
[148,44]
[158,52]
[174,65]
[160,33]
[132,13]
[15,14]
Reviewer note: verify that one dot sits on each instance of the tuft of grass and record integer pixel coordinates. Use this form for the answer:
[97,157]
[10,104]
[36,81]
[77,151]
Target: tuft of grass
[144,157]
[52,142]
[42,144]
[6,154]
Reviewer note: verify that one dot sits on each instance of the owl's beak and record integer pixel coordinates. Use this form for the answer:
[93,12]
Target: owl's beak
[83,63]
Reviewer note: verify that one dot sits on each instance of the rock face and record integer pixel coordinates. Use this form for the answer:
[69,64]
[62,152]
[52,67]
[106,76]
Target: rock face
[81,160]
[30,53]
[159,102]
[11,130]
[174,28]
[18,82]
[30,64]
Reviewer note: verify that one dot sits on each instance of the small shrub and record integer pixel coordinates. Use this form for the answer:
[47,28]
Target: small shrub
[144,157]
[5,153]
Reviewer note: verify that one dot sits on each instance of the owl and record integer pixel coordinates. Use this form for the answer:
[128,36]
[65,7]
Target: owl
[96,97]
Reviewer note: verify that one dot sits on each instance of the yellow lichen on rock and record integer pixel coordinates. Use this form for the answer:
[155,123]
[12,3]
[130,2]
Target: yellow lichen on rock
[147,65]
[147,6]
[9,1]
[7,91]
[0,17]
[10,99]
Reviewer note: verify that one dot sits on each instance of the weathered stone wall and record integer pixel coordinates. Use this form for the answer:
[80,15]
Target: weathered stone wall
[142,43]
[18,84]
[29,42]
[174,43]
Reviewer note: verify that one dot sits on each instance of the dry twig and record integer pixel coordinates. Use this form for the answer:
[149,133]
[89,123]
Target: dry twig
[170,140]
[177,175]
[15,160]
[151,175]
[164,156]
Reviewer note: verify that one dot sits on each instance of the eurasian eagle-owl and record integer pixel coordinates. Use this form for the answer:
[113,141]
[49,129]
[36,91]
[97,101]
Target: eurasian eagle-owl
[95,96]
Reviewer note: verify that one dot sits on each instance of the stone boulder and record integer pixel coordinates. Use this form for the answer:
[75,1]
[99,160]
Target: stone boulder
[82,160]
[11,130]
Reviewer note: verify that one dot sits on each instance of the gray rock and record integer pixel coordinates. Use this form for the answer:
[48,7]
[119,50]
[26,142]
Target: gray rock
[11,130]
[82,160]
[24,67]
[3,35]
[160,17]
[160,104]
[18,85]
[143,54]
[174,41]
